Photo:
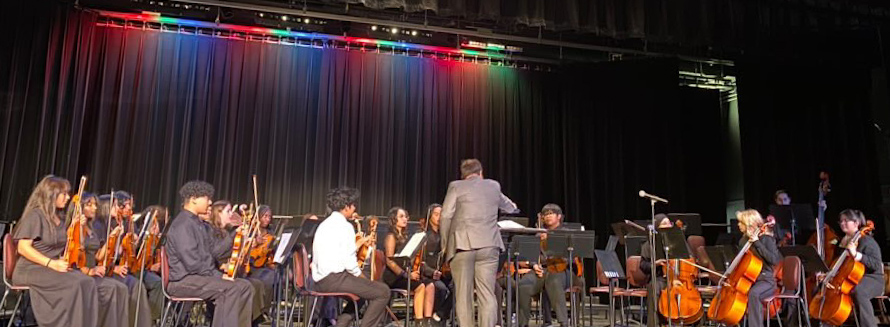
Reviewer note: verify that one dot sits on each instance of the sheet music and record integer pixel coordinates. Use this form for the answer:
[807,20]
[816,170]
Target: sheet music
[413,243]
[509,224]
[282,244]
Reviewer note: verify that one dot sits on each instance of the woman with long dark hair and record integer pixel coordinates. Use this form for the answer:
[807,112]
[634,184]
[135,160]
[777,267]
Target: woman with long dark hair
[59,296]
[397,277]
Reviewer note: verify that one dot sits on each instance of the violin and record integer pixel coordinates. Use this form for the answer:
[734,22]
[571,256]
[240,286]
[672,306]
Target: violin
[558,264]
[261,253]
[366,250]
[145,257]
[112,240]
[129,243]
[241,246]
[245,236]
[731,300]
[681,302]
[833,304]
[75,253]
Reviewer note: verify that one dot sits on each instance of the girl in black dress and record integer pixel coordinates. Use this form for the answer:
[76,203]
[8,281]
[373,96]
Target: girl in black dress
[396,277]
[60,296]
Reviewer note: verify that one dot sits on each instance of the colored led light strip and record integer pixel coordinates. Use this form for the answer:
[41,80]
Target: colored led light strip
[157,18]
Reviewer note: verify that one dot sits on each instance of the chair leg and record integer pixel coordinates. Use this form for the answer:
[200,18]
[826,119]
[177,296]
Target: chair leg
[16,309]
[165,313]
[355,320]
[6,294]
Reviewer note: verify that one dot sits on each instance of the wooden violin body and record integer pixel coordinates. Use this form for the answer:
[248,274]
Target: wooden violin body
[75,254]
[833,304]
[259,255]
[365,250]
[146,257]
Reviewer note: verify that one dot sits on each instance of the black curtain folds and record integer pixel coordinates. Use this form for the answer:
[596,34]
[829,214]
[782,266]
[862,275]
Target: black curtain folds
[819,120]
[146,111]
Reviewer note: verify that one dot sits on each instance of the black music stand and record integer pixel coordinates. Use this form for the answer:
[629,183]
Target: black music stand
[721,256]
[798,216]
[623,230]
[525,248]
[671,244]
[509,234]
[406,260]
[570,244]
[612,270]
[810,260]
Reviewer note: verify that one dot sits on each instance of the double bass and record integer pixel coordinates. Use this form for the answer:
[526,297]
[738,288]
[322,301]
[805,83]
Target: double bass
[681,302]
[75,253]
[834,303]
[731,300]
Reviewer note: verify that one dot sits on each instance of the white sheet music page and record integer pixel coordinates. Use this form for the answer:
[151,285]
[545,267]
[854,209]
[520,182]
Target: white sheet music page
[413,243]
[282,244]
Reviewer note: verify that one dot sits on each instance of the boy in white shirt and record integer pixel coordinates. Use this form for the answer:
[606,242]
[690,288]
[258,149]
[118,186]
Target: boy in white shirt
[334,265]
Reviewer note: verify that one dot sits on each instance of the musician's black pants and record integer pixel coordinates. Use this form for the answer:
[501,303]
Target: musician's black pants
[761,290]
[867,289]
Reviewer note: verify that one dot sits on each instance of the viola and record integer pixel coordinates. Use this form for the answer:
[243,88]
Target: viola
[731,300]
[75,253]
[129,245]
[834,303]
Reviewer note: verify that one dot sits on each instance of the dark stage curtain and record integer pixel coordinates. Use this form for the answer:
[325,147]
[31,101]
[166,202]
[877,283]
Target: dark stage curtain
[815,119]
[146,111]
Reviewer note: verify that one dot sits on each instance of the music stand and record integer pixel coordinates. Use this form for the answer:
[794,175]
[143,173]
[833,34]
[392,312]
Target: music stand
[405,259]
[623,230]
[519,219]
[671,244]
[721,256]
[570,244]
[634,245]
[810,260]
[612,270]
[509,234]
[798,216]
[525,248]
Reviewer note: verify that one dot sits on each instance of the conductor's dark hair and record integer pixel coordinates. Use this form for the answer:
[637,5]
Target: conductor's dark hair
[195,189]
[342,197]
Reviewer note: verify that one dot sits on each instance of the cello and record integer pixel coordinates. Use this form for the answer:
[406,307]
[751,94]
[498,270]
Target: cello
[75,253]
[681,302]
[834,303]
[731,300]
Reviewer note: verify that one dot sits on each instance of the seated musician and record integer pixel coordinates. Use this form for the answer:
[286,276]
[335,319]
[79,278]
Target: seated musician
[764,247]
[265,273]
[334,265]
[152,278]
[396,277]
[442,282]
[60,296]
[193,268]
[663,222]
[220,231]
[553,284]
[96,250]
[869,254]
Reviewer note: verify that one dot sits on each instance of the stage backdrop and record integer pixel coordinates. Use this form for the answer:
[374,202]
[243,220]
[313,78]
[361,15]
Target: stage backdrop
[146,111]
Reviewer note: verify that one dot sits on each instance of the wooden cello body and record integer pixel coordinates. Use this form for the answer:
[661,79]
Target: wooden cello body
[681,303]
[833,304]
[731,301]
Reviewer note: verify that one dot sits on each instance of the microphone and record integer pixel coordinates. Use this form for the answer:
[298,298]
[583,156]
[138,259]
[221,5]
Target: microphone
[643,194]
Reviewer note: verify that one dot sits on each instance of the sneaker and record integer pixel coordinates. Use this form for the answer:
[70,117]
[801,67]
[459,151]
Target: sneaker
[436,317]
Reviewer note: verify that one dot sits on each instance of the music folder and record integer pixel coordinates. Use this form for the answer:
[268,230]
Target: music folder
[809,258]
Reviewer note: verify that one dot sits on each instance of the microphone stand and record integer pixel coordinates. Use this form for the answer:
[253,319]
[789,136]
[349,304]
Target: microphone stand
[652,235]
